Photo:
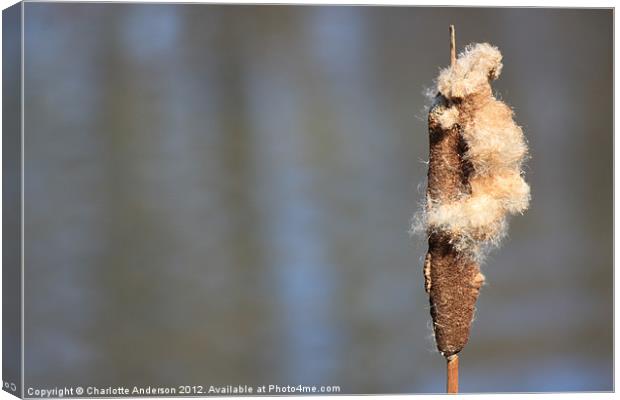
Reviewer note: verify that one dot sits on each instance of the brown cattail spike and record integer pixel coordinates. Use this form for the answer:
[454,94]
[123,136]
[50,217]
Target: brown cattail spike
[474,182]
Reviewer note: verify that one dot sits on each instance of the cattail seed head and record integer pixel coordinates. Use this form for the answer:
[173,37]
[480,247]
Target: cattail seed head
[475,181]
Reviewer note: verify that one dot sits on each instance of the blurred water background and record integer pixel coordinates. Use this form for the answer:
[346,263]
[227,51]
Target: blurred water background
[222,195]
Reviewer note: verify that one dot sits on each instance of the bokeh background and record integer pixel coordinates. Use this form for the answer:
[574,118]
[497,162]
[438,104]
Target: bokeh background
[222,195]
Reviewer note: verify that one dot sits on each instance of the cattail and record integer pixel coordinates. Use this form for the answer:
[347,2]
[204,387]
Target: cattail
[474,182]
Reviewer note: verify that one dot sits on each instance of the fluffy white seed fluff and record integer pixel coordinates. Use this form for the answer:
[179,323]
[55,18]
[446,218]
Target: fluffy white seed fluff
[496,148]
[474,67]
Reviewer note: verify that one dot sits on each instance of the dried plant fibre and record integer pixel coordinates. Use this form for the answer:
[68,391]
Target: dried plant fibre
[475,181]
